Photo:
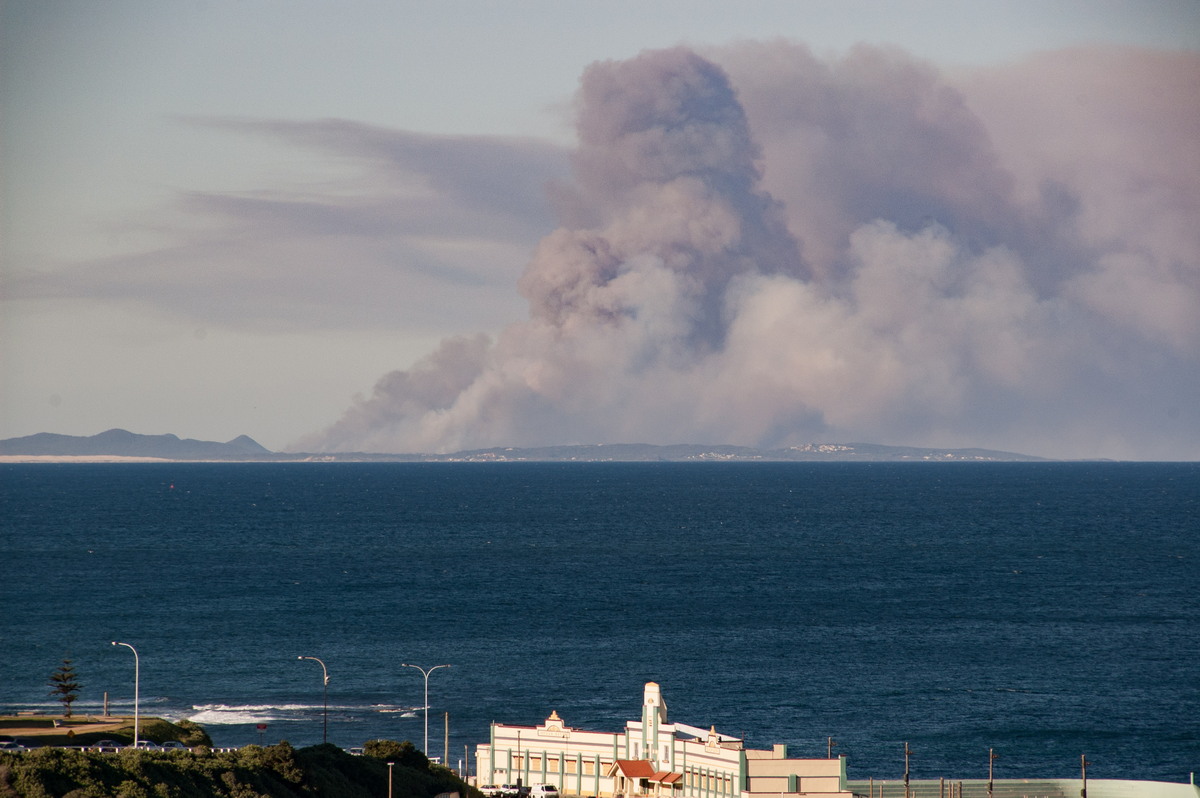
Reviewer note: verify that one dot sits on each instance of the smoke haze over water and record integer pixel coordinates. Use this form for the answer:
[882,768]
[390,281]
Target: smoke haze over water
[760,246]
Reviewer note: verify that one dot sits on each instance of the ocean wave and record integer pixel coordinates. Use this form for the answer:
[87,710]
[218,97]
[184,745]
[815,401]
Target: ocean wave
[230,718]
[240,714]
[261,707]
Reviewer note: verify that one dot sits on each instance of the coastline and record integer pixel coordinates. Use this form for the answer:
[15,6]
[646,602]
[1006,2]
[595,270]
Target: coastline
[80,458]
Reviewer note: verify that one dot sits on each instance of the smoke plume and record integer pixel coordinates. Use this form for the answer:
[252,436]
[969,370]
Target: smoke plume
[762,247]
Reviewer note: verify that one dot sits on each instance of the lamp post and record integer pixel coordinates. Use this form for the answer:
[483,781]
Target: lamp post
[137,677]
[325,681]
[390,779]
[425,673]
[907,754]
[992,757]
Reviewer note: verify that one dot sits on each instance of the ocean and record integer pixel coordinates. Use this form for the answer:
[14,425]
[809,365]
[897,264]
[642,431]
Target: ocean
[1043,610]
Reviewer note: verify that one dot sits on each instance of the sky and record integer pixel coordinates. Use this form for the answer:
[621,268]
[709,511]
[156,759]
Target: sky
[435,226]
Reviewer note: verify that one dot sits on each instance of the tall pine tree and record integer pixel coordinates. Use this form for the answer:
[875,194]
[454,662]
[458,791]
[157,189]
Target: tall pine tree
[65,685]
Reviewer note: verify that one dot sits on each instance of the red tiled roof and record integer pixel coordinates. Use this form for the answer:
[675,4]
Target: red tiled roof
[642,769]
[636,768]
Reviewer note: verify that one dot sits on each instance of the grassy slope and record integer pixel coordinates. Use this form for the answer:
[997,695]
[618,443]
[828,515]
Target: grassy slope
[40,730]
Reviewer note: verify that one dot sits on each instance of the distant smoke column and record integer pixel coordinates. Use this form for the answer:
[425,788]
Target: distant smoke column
[629,298]
[666,170]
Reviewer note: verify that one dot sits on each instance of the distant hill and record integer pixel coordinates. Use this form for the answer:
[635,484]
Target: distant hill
[122,443]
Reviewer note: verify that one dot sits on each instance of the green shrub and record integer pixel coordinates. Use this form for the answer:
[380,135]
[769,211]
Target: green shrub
[276,771]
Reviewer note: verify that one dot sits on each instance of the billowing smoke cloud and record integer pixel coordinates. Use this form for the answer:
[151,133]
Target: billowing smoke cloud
[762,247]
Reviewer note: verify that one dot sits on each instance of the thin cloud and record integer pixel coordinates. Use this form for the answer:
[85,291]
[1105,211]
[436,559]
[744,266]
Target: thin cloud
[501,178]
[418,230]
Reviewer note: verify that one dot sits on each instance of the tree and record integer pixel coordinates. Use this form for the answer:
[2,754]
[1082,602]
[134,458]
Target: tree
[404,753]
[65,685]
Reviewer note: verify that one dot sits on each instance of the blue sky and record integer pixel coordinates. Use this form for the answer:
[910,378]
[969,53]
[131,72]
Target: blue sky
[139,293]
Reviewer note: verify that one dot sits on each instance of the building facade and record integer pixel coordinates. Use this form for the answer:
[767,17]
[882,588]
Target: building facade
[650,757]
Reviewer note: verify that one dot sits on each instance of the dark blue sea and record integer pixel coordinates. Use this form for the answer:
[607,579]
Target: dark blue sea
[1044,610]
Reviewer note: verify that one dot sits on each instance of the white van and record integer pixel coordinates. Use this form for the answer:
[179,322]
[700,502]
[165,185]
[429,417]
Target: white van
[543,791]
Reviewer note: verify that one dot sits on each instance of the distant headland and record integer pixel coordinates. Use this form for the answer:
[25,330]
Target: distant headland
[118,445]
[122,444]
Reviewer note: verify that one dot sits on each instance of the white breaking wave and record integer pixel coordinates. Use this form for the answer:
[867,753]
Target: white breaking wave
[239,714]
[226,715]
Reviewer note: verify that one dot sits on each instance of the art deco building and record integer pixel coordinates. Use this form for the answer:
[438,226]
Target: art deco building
[650,757]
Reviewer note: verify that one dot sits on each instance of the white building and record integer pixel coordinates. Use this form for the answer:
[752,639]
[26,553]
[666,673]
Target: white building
[651,757]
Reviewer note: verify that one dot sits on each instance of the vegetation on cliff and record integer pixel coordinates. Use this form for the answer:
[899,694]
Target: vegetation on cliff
[276,771]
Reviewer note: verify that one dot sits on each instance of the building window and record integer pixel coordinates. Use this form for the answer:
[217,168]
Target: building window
[535,762]
[589,767]
[571,767]
[552,764]
[518,760]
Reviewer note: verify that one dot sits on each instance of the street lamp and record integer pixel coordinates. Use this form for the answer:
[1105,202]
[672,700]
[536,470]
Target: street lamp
[907,753]
[425,673]
[325,681]
[136,681]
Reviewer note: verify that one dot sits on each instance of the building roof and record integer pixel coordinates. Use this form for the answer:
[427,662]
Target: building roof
[644,769]
[635,768]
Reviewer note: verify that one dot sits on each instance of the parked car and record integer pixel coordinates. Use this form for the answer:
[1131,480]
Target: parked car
[174,745]
[543,791]
[147,745]
[107,746]
[11,747]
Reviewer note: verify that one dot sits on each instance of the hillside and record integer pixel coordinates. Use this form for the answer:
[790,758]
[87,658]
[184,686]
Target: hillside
[276,771]
[122,443]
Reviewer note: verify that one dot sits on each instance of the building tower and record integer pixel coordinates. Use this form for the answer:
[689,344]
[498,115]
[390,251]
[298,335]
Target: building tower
[654,714]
